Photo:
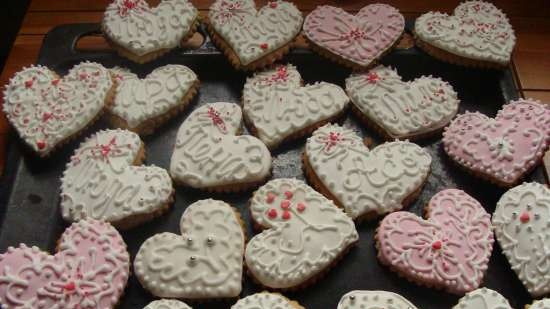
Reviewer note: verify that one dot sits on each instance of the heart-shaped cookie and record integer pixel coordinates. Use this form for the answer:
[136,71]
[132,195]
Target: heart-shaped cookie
[208,155]
[265,300]
[501,149]
[402,109]
[477,33]
[167,304]
[278,108]
[449,250]
[142,33]
[251,38]
[204,262]
[366,183]
[140,105]
[374,300]
[357,40]
[90,270]
[46,110]
[102,182]
[483,298]
[305,234]
[522,229]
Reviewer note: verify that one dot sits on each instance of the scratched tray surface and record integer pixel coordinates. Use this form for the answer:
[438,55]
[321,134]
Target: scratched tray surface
[30,187]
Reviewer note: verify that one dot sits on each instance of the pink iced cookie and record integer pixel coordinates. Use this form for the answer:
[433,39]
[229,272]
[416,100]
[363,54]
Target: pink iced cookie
[501,149]
[449,250]
[358,40]
[90,270]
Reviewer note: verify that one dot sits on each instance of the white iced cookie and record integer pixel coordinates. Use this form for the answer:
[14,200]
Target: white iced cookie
[167,304]
[47,110]
[209,155]
[204,262]
[522,227]
[278,107]
[402,109]
[266,300]
[374,300]
[305,234]
[541,304]
[141,104]
[365,182]
[105,181]
[483,299]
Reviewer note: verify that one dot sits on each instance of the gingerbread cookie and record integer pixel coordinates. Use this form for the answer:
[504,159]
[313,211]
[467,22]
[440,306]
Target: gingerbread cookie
[253,39]
[266,300]
[399,109]
[450,249]
[167,304]
[374,300]
[358,40]
[483,298]
[47,111]
[204,262]
[501,149]
[366,183]
[304,235]
[278,108]
[89,270]
[208,154]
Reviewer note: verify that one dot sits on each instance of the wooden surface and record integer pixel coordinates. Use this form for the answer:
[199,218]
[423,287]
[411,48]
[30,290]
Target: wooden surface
[530,19]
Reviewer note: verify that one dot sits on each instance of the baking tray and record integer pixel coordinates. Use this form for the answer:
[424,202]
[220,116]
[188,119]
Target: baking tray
[30,187]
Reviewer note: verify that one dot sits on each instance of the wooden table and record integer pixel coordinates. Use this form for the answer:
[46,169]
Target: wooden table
[530,19]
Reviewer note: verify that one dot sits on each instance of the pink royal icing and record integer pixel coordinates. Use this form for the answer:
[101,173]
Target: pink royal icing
[449,250]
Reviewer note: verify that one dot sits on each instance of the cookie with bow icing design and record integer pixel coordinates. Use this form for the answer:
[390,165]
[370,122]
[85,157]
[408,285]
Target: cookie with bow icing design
[477,34]
[251,38]
[89,270]
[450,249]
[399,109]
[47,111]
[304,235]
[483,298]
[540,304]
[141,33]
[522,227]
[366,183]
[167,304]
[278,108]
[105,181]
[141,105]
[354,40]
[501,149]
[374,300]
[265,300]
[204,262]
[208,154]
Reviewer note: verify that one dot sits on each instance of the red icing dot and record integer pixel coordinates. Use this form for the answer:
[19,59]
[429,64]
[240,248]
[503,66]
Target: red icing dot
[55,82]
[41,144]
[272,213]
[83,75]
[301,207]
[372,77]
[436,245]
[273,5]
[28,84]
[70,286]
[288,194]
[286,215]
[285,204]
[46,116]
[270,198]
[524,218]
[263,46]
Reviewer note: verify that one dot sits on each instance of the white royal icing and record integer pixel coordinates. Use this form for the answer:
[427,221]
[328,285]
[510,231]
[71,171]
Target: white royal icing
[363,180]
[374,300]
[522,227]
[483,298]
[101,182]
[141,30]
[277,105]
[477,30]
[305,233]
[139,100]
[253,34]
[208,154]
[541,304]
[264,300]
[205,261]
[402,108]
[46,110]
[167,304]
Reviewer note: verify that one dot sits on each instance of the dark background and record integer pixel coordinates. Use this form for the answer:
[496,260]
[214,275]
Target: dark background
[11,16]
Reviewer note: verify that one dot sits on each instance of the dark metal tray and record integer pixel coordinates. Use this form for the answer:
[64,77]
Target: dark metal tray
[29,190]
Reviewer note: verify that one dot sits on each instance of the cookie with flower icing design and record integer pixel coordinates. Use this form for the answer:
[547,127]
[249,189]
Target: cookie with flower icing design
[374,300]
[477,34]
[483,298]
[449,250]
[252,38]
[141,105]
[204,262]
[399,109]
[208,154]
[501,149]
[357,40]
[304,234]
[89,270]
[167,304]
[266,300]
[366,183]
[540,304]
[521,220]
[47,110]
[142,33]
[277,108]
